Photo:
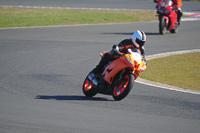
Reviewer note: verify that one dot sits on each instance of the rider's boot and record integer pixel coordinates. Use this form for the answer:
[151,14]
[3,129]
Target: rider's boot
[104,60]
[179,16]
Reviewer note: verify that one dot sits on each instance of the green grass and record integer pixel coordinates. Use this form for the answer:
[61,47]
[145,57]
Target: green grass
[191,0]
[18,17]
[181,70]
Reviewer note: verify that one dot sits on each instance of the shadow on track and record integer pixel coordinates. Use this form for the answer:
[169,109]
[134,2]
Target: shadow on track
[151,34]
[71,98]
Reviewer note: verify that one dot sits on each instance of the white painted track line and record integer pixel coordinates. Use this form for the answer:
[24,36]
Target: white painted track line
[163,86]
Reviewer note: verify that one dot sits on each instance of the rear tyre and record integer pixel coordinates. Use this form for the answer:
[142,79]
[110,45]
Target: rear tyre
[88,88]
[122,89]
[162,26]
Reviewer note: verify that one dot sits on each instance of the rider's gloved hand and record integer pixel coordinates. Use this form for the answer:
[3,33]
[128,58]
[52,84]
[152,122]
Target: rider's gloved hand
[155,1]
[144,59]
[156,7]
[175,8]
[115,50]
[145,62]
[174,5]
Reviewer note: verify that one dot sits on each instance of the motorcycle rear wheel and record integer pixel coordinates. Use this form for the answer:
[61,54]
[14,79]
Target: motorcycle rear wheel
[162,25]
[121,90]
[88,88]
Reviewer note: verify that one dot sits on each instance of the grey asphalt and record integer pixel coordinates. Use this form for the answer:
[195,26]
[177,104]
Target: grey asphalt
[42,70]
[119,4]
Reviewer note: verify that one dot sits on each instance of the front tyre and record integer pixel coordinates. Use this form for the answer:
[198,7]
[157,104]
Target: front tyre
[122,89]
[88,88]
[162,25]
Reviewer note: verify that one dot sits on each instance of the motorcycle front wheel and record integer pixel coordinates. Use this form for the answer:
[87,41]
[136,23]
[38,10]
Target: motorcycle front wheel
[162,25]
[88,88]
[123,87]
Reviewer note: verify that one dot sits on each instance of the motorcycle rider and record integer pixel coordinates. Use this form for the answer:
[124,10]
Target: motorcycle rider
[137,42]
[177,5]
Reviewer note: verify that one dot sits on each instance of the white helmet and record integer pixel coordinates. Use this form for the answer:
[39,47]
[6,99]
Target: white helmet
[138,38]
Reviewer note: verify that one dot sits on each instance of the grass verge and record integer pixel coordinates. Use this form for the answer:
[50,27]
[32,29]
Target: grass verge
[191,0]
[179,70]
[19,17]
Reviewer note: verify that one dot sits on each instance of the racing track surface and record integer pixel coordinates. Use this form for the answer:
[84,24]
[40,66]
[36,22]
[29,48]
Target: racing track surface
[41,75]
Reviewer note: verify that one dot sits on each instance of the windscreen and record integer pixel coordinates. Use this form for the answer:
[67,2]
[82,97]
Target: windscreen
[166,3]
[135,54]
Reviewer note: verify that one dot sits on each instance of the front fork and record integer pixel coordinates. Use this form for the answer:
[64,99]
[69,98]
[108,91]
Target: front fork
[166,20]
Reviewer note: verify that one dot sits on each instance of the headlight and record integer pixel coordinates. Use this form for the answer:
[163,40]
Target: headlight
[161,11]
[166,11]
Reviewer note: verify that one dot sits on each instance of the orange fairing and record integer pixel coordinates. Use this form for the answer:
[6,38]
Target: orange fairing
[141,66]
[131,60]
[116,66]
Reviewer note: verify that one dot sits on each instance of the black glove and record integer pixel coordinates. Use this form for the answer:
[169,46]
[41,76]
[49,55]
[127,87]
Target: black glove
[114,47]
[175,3]
[156,7]
[155,1]
[115,50]
[144,59]
[175,8]
[145,62]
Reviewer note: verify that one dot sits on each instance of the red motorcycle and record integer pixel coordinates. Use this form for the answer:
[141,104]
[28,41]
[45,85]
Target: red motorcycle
[167,15]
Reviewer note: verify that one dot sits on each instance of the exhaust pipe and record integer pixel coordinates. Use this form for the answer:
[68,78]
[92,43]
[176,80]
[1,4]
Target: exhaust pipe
[93,79]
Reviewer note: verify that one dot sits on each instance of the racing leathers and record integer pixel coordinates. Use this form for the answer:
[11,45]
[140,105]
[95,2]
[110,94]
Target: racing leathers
[118,50]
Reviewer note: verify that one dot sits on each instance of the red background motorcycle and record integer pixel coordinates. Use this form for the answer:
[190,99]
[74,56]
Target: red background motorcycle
[167,15]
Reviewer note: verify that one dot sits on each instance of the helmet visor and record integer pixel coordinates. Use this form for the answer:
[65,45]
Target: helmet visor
[139,42]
